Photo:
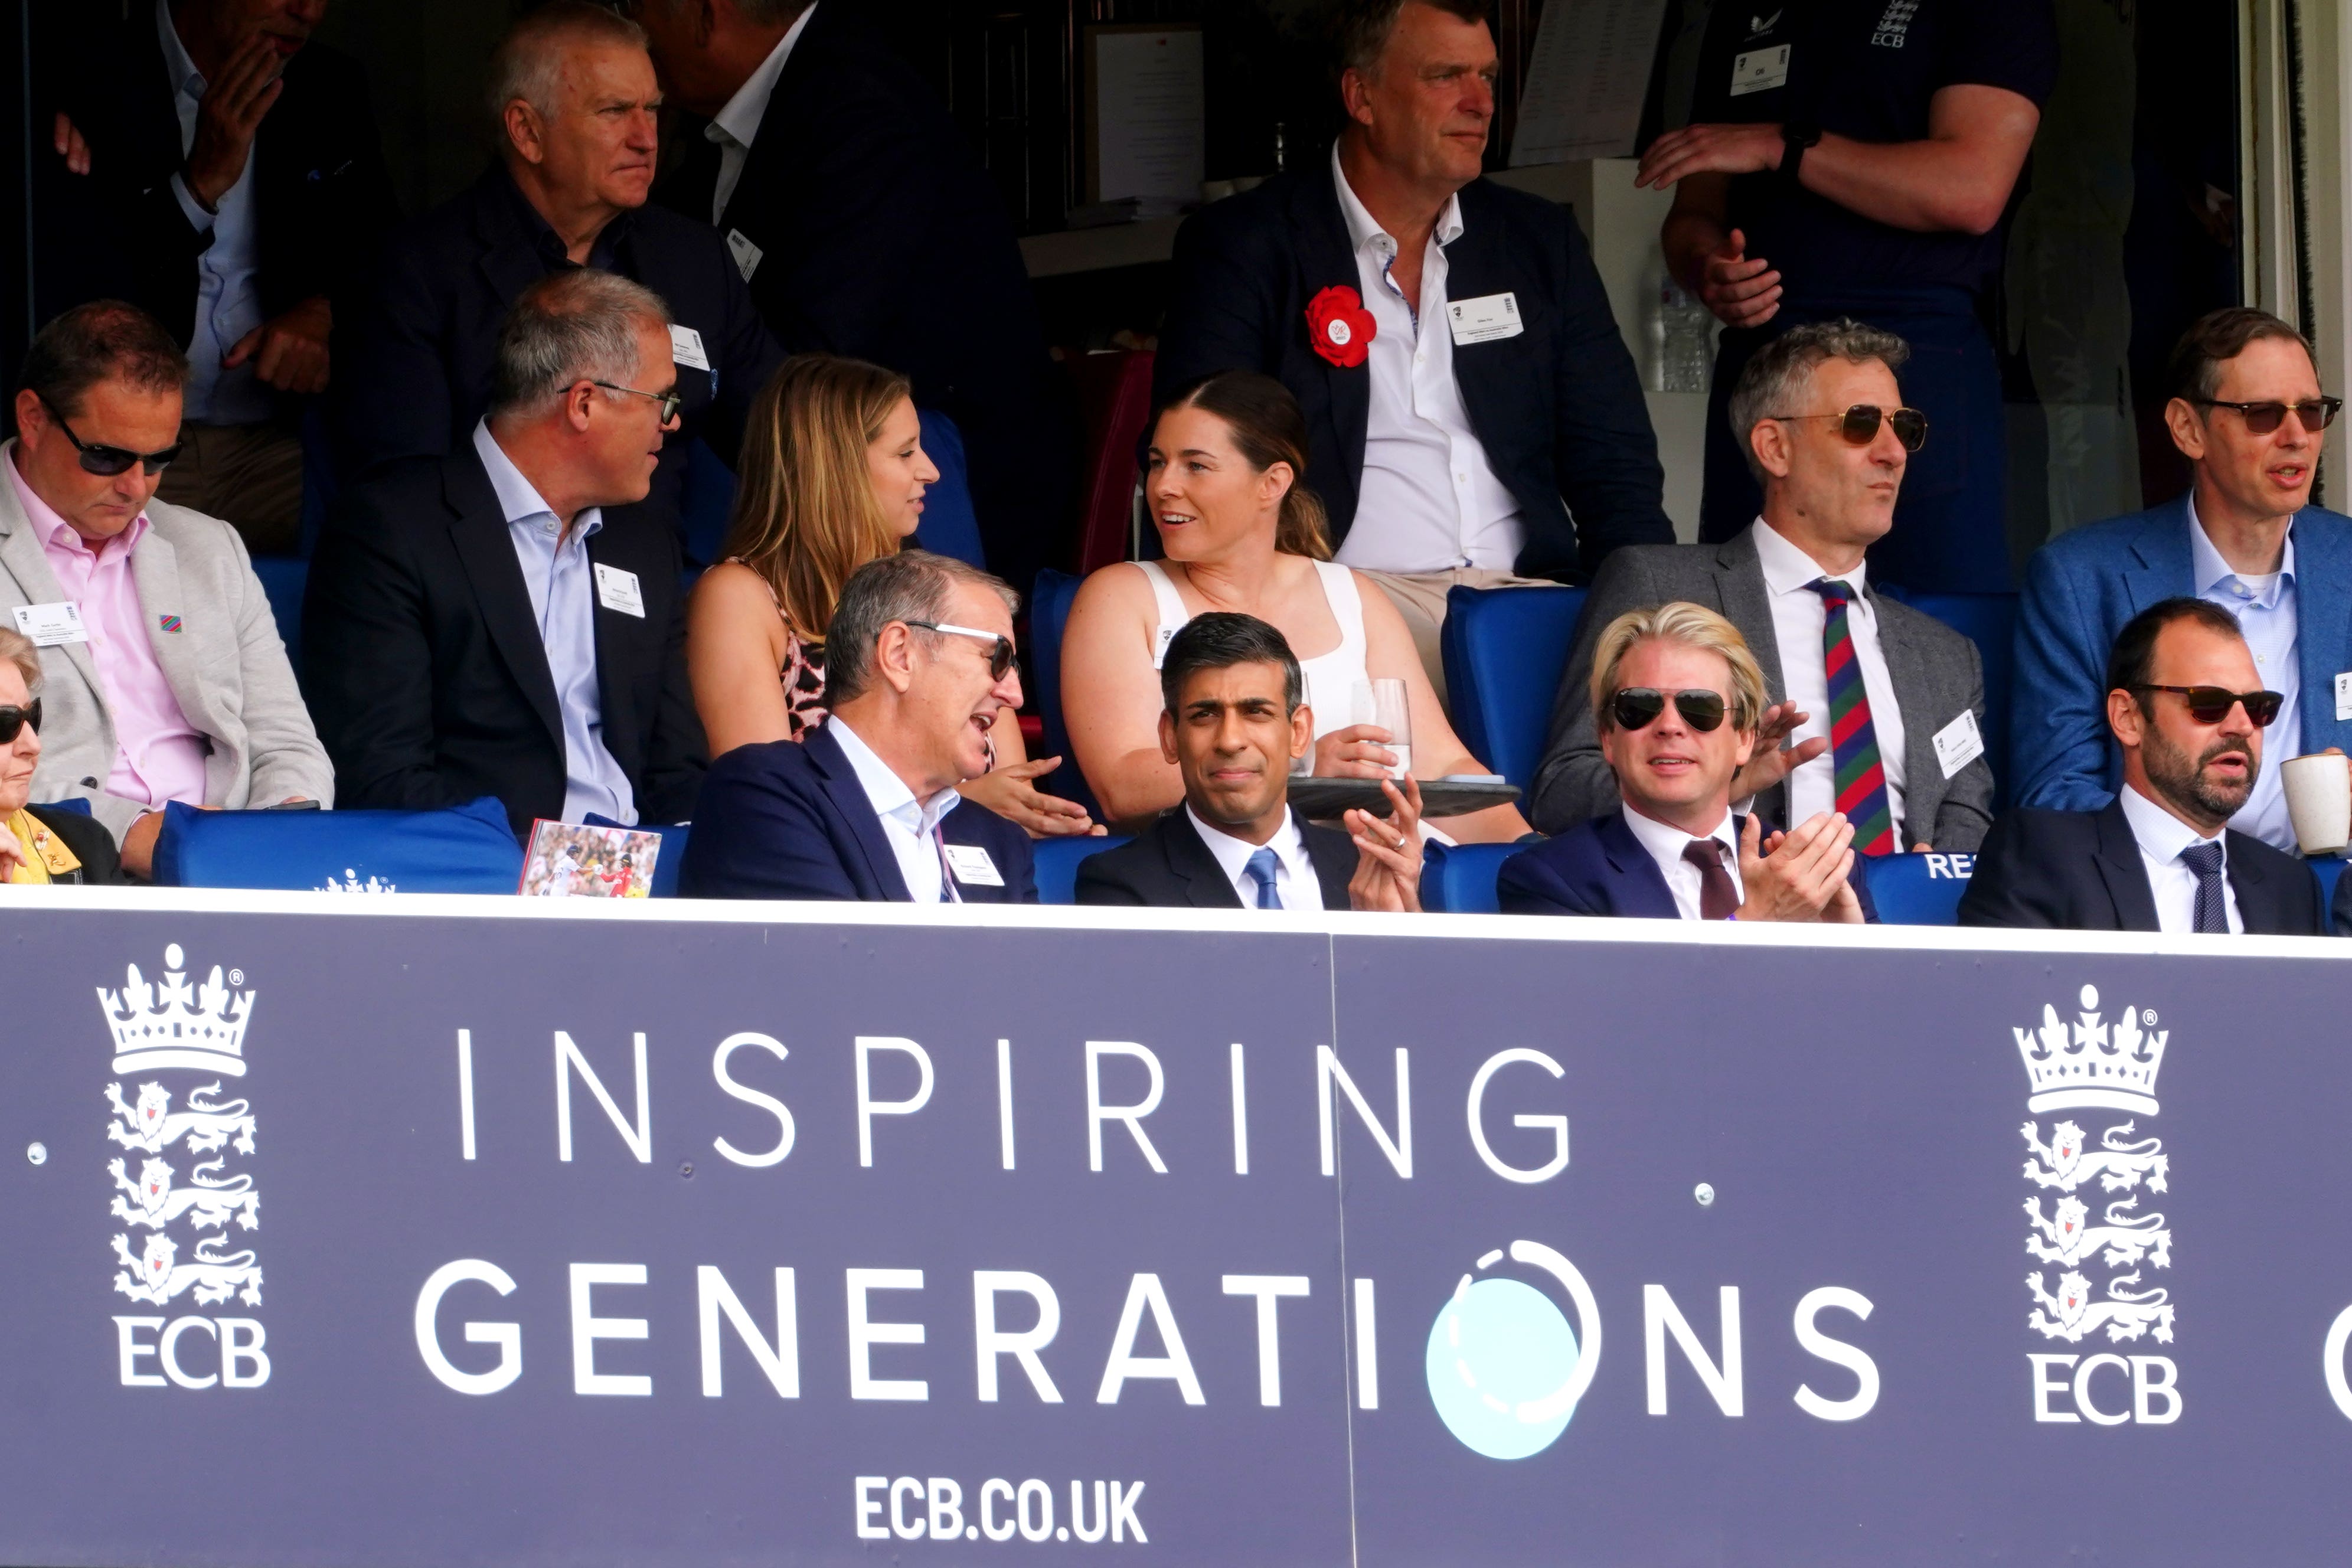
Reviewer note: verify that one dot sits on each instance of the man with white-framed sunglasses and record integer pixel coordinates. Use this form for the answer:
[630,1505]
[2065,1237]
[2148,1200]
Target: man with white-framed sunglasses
[918,662]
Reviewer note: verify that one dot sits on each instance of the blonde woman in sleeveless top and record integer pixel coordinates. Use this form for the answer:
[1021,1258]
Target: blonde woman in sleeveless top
[1241,533]
[831,475]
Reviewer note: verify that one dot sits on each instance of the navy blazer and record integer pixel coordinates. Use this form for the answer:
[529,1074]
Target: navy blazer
[1559,407]
[789,819]
[2081,870]
[1599,868]
[2081,588]
[1167,866]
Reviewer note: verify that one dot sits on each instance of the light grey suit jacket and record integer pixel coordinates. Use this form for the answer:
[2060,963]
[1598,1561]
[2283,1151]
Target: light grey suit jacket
[1936,671]
[224,664]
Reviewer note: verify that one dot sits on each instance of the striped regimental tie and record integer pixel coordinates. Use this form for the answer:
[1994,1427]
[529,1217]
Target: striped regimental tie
[1853,740]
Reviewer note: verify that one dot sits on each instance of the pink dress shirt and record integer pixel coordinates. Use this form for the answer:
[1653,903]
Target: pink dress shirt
[158,757]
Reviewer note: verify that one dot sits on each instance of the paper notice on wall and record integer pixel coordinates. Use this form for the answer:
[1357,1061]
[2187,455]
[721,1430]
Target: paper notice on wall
[1586,80]
[1148,122]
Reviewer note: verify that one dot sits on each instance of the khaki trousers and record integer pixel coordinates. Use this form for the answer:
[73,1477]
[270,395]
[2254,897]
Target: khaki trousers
[248,476]
[1420,598]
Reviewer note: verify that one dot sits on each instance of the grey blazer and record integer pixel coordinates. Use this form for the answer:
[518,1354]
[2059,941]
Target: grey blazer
[1935,670]
[224,664]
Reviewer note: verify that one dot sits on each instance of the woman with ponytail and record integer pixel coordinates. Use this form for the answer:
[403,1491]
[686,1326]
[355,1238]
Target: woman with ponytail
[1241,532]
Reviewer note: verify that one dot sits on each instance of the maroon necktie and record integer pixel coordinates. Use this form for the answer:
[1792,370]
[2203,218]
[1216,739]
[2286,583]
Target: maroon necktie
[1717,902]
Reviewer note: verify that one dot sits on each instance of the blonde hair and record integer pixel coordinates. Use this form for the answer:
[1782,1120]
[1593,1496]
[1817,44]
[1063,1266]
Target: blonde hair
[1267,427]
[18,649]
[1693,625]
[806,513]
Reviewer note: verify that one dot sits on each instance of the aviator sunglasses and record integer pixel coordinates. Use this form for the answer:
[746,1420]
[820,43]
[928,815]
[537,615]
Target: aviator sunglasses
[1859,424]
[1636,707]
[2212,704]
[2261,419]
[1000,653]
[107,461]
[14,720]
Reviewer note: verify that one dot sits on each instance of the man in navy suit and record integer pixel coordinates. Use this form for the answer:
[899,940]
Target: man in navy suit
[2187,709]
[2249,415]
[1679,697]
[918,662]
[1465,384]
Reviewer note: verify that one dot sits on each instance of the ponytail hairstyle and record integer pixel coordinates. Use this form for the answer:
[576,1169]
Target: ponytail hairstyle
[806,513]
[1267,428]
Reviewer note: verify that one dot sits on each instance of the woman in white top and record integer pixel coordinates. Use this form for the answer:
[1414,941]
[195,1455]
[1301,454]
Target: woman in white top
[1241,533]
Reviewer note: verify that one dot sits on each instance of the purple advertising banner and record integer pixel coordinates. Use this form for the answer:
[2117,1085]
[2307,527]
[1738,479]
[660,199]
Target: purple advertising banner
[353,1231]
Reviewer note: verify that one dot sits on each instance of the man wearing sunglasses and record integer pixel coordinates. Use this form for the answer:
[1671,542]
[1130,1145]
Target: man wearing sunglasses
[863,808]
[2248,415]
[166,679]
[2189,713]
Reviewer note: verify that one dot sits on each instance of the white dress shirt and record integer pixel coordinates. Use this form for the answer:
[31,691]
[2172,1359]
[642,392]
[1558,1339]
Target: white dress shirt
[910,827]
[2161,837]
[1666,845]
[1428,500]
[228,281]
[1798,617]
[1295,882]
[2265,609]
[561,578]
[735,126]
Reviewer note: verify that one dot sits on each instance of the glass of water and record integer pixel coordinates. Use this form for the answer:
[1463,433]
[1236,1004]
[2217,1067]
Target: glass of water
[1390,711]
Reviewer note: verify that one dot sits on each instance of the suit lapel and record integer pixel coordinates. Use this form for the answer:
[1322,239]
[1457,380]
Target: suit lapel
[1747,604]
[1907,669]
[1325,260]
[849,799]
[1642,884]
[477,529]
[1190,862]
[1334,856]
[2257,895]
[2124,872]
[2165,568]
[163,611]
[616,643]
[22,557]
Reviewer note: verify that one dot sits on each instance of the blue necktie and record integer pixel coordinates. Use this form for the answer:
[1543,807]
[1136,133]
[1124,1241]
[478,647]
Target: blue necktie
[2205,860]
[1260,868]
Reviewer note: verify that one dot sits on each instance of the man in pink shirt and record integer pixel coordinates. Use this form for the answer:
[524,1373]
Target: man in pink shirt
[165,680]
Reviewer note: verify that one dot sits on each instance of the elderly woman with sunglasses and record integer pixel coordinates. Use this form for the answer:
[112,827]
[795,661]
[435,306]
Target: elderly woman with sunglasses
[39,845]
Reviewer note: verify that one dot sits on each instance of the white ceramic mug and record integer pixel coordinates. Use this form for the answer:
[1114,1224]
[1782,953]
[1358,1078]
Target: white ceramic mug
[2319,800]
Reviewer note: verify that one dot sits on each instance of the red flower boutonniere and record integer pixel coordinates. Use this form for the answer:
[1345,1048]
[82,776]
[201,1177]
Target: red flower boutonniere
[1339,327]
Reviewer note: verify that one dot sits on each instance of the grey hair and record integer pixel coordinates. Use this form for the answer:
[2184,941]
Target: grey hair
[1780,372]
[569,328]
[528,63]
[1361,29]
[912,586]
[759,13]
[16,648]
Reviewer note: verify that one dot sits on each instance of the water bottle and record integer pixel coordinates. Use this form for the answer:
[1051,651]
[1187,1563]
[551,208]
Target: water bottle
[1687,351]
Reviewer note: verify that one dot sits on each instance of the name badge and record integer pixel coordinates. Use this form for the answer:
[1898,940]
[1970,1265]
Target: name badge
[48,625]
[685,348]
[1483,319]
[1959,743]
[972,866]
[1759,71]
[2343,691]
[617,590]
[746,254]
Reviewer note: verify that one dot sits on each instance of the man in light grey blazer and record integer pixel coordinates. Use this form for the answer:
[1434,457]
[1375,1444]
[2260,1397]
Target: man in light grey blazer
[1877,710]
[164,679]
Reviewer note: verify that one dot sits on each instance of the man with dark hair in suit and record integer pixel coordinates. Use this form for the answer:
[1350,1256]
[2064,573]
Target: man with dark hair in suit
[1875,708]
[573,95]
[501,621]
[919,663]
[236,182]
[1465,384]
[865,227]
[1232,723]
[2187,710]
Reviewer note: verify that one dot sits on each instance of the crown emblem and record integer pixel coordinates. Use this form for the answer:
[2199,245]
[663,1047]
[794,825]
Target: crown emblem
[2090,1063]
[169,1023]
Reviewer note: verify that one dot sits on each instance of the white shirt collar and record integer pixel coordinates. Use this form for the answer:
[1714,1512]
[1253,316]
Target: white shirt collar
[518,499]
[1364,229]
[886,790]
[1789,570]
[740,121]
[2207,571]
[186,77]
[1289,846]
[1667,843]
[2160,834]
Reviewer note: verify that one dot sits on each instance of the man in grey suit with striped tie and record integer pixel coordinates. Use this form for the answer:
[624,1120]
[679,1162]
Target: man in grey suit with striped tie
[1877,710]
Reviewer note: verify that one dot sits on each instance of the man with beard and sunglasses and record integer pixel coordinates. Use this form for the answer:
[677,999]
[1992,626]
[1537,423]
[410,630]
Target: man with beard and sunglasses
[165,678]
[2187,710]
[2248,415]
[1874,708]
[1681,699]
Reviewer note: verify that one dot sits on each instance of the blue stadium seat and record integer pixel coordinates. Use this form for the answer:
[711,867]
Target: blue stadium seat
[666,863]
[463,849]
[1990,621]
[1049,615]
[283,578]
[951,527]
[1459,878]
[77,804]
[1504,649]
[1918,889]
[706,499]
[1057,861]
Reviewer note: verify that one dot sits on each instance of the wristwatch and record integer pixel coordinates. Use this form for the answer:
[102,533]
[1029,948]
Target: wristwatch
[1795,137]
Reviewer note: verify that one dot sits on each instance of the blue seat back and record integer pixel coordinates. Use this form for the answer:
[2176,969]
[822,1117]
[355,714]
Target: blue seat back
[706,500]
[1459,878]
[1049,616]
[463,849]
[666,863]
[283,579]
[1918,889]
[77,804]
[951,527]
[1990,621]
[1504,649]
[1056,865]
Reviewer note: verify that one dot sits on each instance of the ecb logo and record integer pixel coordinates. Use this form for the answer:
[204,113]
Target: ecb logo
[1504,1368]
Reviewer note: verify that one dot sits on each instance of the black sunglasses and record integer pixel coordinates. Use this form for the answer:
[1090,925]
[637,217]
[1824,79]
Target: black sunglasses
[107,461]
[2212,704]
[671,401]
[1000,652]
[2261,419]
[1636,707]
[14,720]
[1859,424]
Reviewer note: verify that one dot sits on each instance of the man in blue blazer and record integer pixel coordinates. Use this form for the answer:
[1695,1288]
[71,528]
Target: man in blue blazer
[1679,697]
[2249,415]
[918,662]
